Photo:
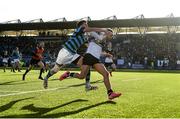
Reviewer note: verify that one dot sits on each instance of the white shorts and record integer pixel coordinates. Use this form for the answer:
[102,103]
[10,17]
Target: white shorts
[12,61]
[65,57]
[5,60]
[47,62]
[16,60]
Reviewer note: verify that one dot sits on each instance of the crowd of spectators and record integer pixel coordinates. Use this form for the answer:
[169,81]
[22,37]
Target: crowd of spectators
[147,51]
[150,51]
[26,46]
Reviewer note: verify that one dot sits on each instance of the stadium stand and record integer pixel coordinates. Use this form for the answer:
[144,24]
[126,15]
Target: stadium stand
[152,43]
[150,51]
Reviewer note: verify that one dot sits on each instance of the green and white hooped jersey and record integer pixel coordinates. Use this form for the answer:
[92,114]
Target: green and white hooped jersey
[76,40]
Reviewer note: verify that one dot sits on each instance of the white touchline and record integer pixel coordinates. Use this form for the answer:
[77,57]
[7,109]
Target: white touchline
[34,91]
[2,91]
[25,92]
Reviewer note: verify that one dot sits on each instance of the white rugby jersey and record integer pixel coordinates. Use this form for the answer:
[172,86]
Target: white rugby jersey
[94,48]
[108,60]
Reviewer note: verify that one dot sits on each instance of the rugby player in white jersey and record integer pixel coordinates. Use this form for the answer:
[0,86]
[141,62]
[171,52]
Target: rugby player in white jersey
[92,58]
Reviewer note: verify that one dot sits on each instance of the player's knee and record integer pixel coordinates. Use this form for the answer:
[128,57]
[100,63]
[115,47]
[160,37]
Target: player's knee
[55,69]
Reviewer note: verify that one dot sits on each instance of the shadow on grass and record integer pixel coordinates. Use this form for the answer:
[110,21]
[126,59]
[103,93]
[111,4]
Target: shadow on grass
[10,74]
[12,82]
[41,112]
[10,104]
[83,84]
[19,82]
[62,114]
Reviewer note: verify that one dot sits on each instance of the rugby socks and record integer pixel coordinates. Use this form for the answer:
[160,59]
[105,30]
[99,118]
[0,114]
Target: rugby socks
[109,91]
[72,74]
[88,79]
[4,69]
[27,70]
[41,71]
[50,73]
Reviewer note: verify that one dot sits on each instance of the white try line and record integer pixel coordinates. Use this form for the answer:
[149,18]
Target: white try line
[26,92]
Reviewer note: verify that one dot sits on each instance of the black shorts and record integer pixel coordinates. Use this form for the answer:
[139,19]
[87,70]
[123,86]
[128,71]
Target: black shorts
[5,63]
[108,64]
[76,60]
[90,60]
[34,61]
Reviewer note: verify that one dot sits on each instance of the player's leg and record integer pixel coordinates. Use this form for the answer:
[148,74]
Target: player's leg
[77,60]
[18,65]
[113,68]
[100,68]
[103,71]
[42,68]
[88,85]
[47,66]
[12,66]
[27,70]
[62,58]
[51,72]
[107,65]
[81,75]
[4,66]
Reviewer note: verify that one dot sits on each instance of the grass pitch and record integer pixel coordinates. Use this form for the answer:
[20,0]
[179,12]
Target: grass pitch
[144,95]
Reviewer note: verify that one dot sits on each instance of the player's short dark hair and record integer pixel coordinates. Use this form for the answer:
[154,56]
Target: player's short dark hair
[109,29]
[81,22]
